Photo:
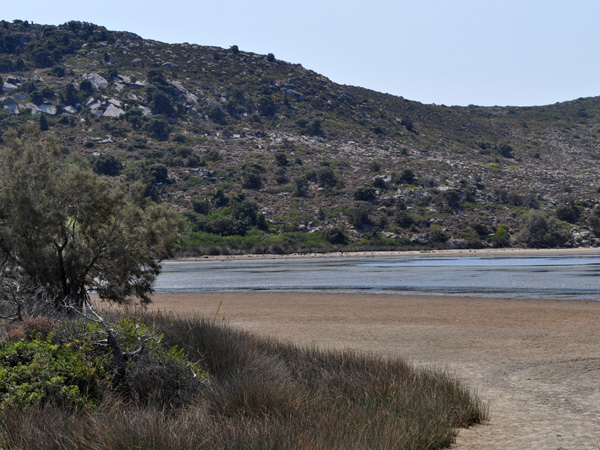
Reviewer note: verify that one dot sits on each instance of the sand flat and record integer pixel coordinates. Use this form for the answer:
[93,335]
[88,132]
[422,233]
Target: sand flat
[537,362]
[485,252]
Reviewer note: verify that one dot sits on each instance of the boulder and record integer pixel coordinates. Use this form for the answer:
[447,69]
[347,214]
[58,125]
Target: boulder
[145,110]
[292,93]
[97,81]
[113,111]
[456,244]
[70,110]
[178,85]
[47,109]
[9,87]
[11,106]
[124,79]
[94,104]
[188,99]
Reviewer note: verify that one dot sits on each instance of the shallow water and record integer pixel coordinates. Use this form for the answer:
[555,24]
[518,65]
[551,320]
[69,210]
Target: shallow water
[559,277]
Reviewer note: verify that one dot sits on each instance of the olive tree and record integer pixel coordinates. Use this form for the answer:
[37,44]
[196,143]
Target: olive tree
[67,230]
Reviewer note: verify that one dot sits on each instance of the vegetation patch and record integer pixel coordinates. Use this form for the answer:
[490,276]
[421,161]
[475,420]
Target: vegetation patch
[261,394]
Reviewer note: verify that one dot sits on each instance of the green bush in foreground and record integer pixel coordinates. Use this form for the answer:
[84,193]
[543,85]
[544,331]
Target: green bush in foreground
[262,394]
[37,372]
[71,365]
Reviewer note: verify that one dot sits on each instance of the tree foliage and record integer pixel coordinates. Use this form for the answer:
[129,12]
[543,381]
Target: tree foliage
[69,231]
[538,231]
[593,220]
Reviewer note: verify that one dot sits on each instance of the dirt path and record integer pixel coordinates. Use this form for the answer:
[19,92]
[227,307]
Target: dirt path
[537,362]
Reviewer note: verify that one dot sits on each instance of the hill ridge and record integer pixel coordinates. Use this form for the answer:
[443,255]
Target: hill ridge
[316,162]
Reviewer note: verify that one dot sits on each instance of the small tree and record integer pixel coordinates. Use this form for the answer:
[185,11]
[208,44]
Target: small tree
[501,238]
[568,212]
[537,231]
[69,231]
[43,123]
[593,220]
[335,236]
[359,214]
[364,193]
[407,177]
[107,165]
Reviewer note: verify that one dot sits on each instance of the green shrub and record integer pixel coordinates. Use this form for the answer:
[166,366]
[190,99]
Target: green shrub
[107,165]
[437,234]
[251,179]
[158,127]
[568,212]
[506,150]
[69,365]
[44,123]
[326,177]
[501,238]
[36,372]
[538,231]
[364,193]
[593,220]
[403,218]
[281,159]
[335,236]
[407,177]
[408,124]
[359,214]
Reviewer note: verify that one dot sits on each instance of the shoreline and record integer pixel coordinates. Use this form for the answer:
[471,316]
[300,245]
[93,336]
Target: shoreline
[411,253]
[534,361]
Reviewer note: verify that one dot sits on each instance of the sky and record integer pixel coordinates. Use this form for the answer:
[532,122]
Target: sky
[446,52]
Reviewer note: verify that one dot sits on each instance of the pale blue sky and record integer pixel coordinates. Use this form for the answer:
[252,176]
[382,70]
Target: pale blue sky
[458,52]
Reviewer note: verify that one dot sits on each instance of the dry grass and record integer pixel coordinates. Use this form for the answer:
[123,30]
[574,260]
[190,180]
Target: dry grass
[264,394]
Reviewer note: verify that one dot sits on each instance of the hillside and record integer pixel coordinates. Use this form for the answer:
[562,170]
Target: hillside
[246,144]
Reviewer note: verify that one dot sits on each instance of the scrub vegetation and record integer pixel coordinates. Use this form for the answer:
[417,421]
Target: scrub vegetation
[248,393]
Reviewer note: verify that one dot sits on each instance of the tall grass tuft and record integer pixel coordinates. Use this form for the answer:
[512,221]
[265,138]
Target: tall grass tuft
[262,394]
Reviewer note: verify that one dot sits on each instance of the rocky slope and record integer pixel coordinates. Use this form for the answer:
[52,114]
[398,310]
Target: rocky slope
[200,125]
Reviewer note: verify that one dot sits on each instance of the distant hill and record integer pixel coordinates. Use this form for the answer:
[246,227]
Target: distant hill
[255,151]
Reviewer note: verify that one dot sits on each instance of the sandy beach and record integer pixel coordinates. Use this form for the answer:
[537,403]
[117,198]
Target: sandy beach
[412,253]
[536,362]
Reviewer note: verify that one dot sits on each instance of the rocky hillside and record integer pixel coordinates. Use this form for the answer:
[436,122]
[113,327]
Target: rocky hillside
[246,144]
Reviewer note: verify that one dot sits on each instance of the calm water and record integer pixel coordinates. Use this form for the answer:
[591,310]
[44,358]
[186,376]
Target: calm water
[540,276]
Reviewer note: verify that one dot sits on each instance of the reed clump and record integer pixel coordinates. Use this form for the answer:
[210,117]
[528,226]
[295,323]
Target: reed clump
[260,394]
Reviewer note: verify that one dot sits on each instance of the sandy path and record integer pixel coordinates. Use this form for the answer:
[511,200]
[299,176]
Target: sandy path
[537,362]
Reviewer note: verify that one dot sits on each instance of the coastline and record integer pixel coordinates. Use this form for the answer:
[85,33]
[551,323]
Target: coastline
[535,361]
[491,252]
